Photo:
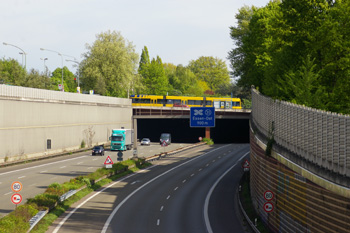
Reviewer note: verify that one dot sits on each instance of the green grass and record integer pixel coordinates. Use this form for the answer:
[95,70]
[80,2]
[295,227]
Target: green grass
[248,204]
[18,220]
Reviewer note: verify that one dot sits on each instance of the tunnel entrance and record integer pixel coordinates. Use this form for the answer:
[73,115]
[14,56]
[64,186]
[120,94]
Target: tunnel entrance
[225,130]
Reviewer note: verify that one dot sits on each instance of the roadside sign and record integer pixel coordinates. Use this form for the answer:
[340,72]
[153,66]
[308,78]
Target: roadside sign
[16,198]
[268,195]
[16,186]
[202,117]
[200,139]
[164,143]
[108,160]
[268,207]
[246,164]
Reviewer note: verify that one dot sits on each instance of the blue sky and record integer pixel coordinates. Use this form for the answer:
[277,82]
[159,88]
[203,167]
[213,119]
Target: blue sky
[177,30]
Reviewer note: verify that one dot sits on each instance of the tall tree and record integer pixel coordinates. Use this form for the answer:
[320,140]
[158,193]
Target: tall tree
[144,61]
[211,70]
[155,80]
[110,65]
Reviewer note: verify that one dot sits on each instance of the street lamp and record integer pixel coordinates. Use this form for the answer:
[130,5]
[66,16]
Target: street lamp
[45,67]
[78,68]
[60,54]
[25,54]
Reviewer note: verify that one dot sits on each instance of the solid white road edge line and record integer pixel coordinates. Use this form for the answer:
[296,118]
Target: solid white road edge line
[105,227]
[206,204]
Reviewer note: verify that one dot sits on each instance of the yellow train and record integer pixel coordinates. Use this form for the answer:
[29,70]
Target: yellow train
[185,101]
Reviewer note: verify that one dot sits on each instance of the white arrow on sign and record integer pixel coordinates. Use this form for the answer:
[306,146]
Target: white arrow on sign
[198,112]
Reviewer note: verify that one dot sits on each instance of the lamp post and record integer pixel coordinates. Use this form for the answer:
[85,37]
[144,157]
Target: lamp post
[45,67]
[60,54]
[25,54]
[78,70]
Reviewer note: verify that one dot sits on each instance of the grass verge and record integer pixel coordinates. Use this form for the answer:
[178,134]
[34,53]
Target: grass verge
[18,220]
[248,204]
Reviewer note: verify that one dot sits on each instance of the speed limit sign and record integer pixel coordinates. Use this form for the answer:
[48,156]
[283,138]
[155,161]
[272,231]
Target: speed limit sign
[16,186]
[268,195]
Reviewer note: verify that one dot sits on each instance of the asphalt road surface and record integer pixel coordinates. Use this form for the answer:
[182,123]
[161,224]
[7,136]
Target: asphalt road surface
[37,175]
[193,191]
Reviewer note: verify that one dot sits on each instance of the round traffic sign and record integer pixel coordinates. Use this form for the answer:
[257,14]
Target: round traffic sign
[268,207]
[16,198]
[200,138]
[16,186]
[268,195]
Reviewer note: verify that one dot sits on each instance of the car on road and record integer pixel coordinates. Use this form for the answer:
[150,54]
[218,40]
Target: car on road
[145,141]
[98,150]
[165,138]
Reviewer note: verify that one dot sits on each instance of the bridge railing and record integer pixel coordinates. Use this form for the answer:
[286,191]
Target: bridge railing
[41,94]
[320,137]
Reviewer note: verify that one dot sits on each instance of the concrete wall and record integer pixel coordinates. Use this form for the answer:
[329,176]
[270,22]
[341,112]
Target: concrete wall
[300,205]
[30,117]
[307,168]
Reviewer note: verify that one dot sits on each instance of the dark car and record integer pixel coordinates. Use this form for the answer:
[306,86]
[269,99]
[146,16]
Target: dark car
[165,138]
[98,150]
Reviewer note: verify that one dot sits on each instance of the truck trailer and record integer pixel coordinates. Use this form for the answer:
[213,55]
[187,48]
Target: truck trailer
[122,139]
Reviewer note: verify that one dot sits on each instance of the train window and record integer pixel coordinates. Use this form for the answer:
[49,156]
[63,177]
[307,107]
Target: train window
[236,104]
[170,101]
[161,101]
[194,102]
[145,101]
[208,102]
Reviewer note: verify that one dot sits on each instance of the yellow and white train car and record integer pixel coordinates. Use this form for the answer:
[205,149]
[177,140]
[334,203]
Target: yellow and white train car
[185,101]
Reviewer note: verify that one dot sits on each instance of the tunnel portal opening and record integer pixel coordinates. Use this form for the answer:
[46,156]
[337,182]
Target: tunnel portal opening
[225,130]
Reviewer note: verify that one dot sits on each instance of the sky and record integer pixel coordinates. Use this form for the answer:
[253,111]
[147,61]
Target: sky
[176,30]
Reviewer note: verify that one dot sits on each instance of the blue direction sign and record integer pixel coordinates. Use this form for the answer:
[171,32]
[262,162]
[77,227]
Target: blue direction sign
[202,117]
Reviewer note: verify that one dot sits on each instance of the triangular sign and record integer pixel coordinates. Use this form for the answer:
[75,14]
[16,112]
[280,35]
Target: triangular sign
[108,160]
[246,164]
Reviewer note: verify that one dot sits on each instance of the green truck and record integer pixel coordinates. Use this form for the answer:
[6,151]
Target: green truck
[122,139]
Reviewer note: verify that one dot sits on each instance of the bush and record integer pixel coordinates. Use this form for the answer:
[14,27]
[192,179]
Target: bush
[209,141]
[44,200]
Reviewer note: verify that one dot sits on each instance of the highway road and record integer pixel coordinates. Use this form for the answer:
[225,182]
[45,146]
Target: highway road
[35,176]
[193,191]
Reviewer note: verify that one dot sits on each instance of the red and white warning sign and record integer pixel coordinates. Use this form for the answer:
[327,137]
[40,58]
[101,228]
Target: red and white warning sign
[164,143]
[268,207]
[268,195]
[16,198]
[108,160]
[246,164]
[16,186]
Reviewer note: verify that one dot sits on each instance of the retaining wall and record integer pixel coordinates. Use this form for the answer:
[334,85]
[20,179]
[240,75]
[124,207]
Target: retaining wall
[36,122]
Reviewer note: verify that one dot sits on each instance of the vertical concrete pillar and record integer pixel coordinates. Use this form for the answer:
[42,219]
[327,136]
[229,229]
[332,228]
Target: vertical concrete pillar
[135,133]
[207,132]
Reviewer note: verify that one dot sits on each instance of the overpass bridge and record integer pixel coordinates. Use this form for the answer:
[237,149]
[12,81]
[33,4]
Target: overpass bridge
[231,125]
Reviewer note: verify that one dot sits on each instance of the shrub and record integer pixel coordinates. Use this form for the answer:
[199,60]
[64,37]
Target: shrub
[209,141]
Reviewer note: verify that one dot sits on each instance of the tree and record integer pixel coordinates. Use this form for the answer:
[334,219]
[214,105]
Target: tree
[11,72]
[36,80]
[69,83]
[183,81]
[110,65]
[144,62]
[211,70]
[154,78]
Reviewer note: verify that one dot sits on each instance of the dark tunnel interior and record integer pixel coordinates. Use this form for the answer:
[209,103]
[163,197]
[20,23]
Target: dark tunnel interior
[225,130]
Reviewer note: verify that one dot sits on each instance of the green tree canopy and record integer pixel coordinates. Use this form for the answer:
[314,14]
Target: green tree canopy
[11,72]
[211,70]
[110,65]
[154,78]
[290,45]
[70,85]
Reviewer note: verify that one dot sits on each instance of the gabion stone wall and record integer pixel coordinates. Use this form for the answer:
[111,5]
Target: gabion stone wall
[299,204]
[319,137]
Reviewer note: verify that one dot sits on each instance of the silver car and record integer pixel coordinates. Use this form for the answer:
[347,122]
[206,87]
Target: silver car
[145,141]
